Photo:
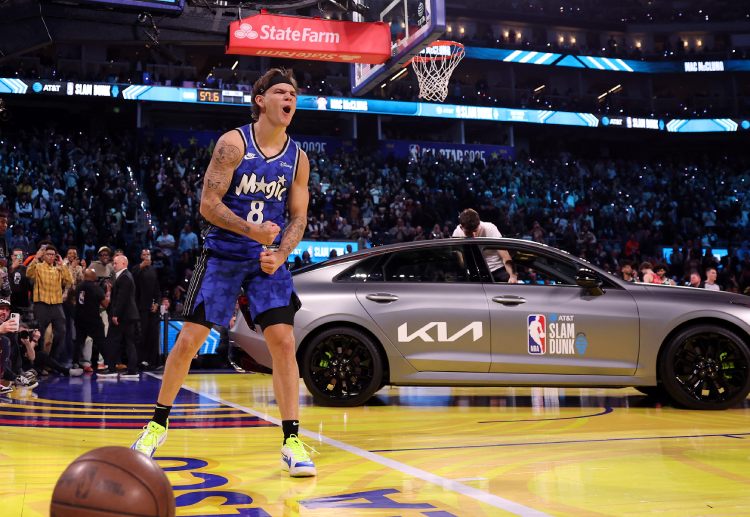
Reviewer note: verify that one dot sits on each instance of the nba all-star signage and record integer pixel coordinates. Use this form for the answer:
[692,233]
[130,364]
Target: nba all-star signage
[460,152]
[293,37]
[309,143]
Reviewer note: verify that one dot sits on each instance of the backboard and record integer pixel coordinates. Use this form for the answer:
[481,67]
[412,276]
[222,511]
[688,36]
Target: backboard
[414,24]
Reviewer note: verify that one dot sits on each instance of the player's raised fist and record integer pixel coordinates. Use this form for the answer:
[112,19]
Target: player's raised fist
[267,232]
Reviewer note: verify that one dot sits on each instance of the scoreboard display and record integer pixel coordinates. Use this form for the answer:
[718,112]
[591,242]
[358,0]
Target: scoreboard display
[210,96]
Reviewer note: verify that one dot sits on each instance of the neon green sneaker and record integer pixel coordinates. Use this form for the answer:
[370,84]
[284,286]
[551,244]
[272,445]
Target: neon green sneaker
[295,459]
[153,436]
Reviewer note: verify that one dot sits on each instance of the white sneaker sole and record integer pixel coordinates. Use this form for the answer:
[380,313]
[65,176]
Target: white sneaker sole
[298,472]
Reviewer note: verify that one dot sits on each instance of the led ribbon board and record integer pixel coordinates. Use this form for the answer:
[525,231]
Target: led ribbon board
[371,106]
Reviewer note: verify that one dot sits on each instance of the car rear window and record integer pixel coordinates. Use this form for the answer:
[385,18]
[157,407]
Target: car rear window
[435,264]
[364,271]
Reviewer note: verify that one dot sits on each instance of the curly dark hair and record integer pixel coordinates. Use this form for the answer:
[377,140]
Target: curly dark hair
[469,220]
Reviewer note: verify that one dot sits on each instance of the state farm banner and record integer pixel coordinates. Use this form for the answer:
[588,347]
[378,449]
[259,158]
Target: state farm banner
[294,37]
[459,152]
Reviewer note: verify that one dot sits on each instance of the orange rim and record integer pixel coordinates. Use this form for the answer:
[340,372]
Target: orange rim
[436,43]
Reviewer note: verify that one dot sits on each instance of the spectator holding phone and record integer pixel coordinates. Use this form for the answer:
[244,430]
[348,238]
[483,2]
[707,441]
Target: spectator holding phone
[50,277]
[12,372]
[20,285]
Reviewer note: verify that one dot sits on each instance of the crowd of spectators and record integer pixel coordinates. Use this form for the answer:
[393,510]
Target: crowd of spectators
[613,11]
[608,211]
[614,46]
[68,200]
[463,90]
[91,195]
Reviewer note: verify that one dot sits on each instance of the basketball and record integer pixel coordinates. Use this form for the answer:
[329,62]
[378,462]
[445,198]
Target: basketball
[110,481]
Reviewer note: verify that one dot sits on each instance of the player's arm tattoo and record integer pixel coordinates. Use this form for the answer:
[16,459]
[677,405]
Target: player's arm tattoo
[216,182]
[293,233]
[229,220]
[227,154]
[225,159]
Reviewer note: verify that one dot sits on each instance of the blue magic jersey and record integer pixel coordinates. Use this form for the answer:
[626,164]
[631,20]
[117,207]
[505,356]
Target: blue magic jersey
[258,193]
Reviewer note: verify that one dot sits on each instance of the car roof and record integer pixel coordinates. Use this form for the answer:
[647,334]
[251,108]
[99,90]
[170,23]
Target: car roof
[400,246]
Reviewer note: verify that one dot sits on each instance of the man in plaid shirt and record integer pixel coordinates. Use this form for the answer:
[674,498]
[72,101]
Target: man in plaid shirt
[50,277]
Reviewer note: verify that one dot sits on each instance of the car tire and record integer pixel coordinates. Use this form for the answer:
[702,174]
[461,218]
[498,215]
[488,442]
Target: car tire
[342,367]
[706,367]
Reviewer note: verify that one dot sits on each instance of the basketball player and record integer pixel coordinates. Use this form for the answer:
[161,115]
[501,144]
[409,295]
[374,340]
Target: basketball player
[256,174]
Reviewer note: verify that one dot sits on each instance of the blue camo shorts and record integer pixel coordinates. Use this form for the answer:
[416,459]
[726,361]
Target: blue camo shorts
[217,282]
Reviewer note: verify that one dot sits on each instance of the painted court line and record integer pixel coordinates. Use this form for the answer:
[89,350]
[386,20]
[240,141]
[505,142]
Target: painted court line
[445,483]
[739,436]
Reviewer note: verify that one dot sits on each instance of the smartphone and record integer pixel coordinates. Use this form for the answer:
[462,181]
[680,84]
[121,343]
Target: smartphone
[17,317]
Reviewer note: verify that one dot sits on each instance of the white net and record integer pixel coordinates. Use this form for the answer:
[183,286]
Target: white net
[434,66]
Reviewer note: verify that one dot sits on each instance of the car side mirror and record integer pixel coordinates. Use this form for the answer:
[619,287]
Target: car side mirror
[590,281]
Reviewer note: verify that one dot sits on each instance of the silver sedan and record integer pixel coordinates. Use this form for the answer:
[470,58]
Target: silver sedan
[432,313]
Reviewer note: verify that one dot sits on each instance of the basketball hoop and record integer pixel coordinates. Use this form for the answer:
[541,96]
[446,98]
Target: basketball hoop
[434,66]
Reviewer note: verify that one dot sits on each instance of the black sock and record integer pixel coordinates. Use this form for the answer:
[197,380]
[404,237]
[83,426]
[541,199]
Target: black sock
[161,413]
[290,427]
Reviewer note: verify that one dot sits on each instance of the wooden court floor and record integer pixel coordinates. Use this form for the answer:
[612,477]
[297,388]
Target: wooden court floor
[435,452]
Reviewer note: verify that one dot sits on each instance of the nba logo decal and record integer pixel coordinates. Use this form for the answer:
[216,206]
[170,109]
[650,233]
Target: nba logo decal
[537,332]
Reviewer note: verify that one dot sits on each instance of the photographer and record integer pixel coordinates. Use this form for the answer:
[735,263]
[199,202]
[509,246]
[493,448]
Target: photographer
[11,358]
[36,356]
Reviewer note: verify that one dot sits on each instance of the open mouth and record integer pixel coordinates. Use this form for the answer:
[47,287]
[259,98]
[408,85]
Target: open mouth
[287,109]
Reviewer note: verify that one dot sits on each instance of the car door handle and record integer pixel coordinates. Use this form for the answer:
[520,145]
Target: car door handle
[509,299]
[382,297]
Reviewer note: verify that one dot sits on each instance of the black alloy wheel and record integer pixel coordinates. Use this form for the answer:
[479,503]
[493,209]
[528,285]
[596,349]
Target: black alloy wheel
[706,367]
[342,367]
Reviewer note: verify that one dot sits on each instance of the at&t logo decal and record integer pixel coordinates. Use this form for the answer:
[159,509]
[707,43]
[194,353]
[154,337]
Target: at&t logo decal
[555,334]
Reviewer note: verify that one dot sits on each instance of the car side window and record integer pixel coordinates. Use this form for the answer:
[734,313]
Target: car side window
[534,268]
[364,271]
[434,264]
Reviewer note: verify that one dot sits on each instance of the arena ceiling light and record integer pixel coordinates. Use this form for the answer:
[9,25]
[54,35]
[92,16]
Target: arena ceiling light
[398,75]
[614,89]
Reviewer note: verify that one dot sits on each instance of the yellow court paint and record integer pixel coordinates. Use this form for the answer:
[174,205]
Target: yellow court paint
[432,452]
